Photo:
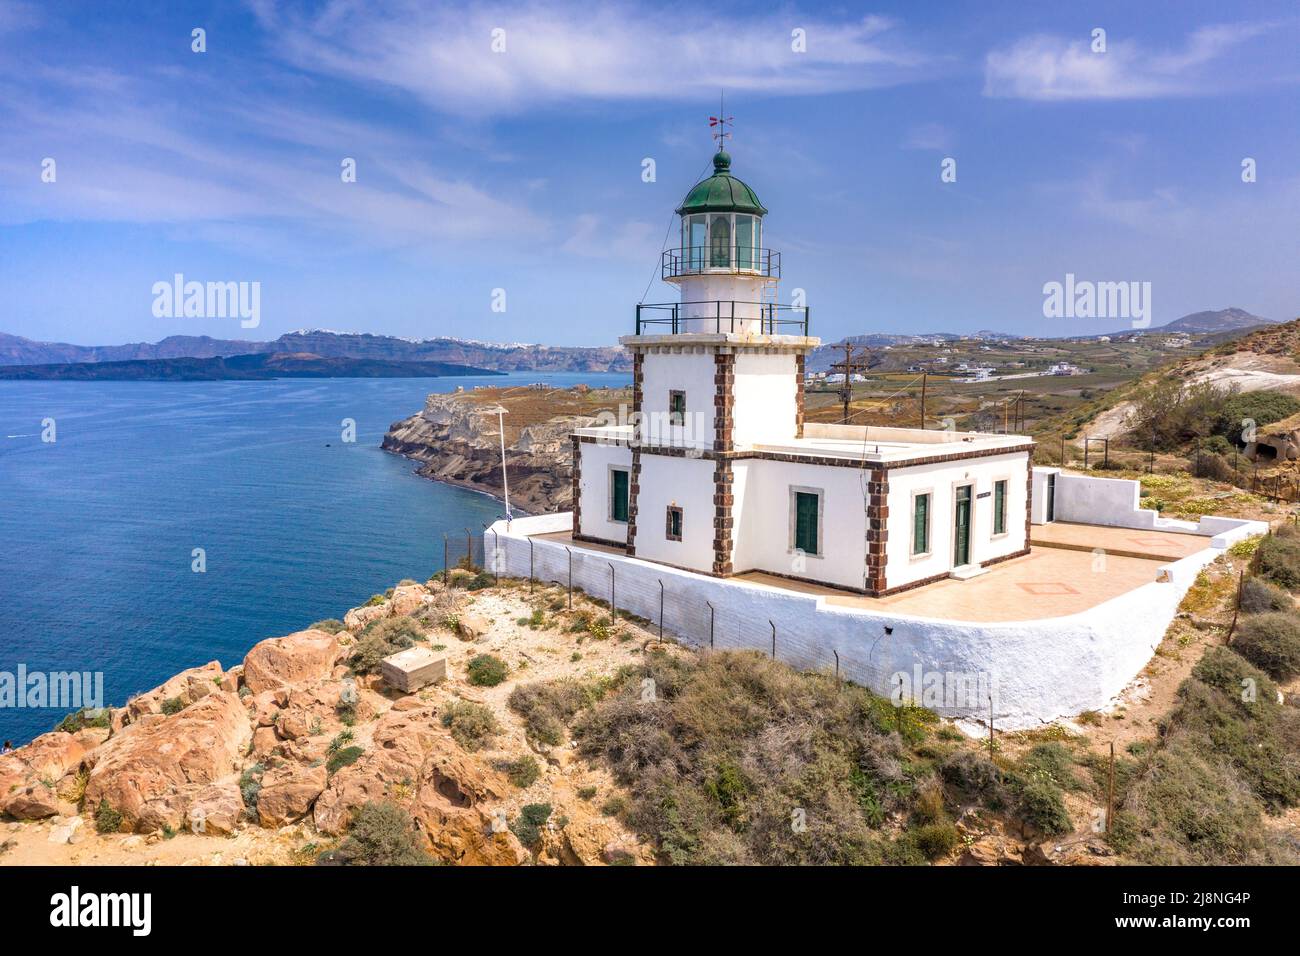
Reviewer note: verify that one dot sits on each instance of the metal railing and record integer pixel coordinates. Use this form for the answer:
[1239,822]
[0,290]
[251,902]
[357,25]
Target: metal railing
[704,260]
[720,315]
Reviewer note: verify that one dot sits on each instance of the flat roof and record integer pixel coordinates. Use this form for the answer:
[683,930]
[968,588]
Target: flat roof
[867,443]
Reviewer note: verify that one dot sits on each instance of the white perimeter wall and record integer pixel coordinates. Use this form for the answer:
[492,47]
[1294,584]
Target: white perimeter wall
[941,480]
[1041,670]
[594,488]
[766,397]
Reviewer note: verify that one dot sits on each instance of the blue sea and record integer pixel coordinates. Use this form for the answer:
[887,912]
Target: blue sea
[98,528]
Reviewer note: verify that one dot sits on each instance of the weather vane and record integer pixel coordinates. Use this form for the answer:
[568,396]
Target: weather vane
[721,121]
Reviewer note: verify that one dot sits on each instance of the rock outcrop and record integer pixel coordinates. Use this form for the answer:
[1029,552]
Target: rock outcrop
[456,439]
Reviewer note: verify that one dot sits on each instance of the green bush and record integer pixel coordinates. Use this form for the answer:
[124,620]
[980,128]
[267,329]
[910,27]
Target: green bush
[107,820]
[471,725]
[344,757]
[1279,560]
[1041,805]
[1259,597]
[172,705]
[486,671]
[250,785]
[1271,642]
[81,719]
[977,776]
[382,638]
[528,825]
[330,626]
[547,708]
[1189,808]
[523,773]
[381,834]
[936,840]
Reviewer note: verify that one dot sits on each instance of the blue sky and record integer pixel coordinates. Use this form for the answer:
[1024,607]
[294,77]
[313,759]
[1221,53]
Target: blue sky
[521,170]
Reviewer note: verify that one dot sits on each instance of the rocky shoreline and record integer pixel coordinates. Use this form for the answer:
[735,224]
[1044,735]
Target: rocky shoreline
[455,439]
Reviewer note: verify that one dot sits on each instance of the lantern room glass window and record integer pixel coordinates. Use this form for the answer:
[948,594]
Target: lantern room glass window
[720,242]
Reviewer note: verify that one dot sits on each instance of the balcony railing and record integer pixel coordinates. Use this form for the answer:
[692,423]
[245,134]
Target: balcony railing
[721,315]
[707,260]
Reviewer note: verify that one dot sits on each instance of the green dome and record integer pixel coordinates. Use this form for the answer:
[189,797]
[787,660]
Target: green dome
[721,192]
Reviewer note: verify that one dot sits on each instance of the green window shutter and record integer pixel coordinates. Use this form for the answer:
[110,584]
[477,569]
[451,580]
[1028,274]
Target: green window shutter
[805,522]
[619,508]
[999,507]
[921,524]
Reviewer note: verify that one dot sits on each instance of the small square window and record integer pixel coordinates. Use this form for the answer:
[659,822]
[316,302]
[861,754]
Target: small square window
[676,408]
[673,526]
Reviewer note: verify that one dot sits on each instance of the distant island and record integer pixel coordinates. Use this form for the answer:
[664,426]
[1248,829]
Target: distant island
[501,357]
[236,368]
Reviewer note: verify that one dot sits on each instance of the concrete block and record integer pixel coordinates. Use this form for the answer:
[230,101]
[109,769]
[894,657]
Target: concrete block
[413,668]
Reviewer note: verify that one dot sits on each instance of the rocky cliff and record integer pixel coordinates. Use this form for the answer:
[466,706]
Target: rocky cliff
[456,439]
[269,761]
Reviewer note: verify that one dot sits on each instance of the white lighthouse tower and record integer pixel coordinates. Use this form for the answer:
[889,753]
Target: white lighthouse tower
[718,473]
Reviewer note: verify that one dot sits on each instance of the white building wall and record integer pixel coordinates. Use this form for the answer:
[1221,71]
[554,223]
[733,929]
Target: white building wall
[594,488]
[686,483]
[690,372]
[765,525]
[766,397]
[941,480]
[700,293]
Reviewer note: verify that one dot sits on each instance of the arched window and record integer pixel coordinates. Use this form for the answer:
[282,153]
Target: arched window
[745,258]
[720,242]
[694,233]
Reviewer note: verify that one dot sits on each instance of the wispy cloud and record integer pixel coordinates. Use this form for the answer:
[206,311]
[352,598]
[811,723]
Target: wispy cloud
[566,54]
[929,136]
[1044,67]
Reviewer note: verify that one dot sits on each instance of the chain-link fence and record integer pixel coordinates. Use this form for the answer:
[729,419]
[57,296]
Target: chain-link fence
[703,615]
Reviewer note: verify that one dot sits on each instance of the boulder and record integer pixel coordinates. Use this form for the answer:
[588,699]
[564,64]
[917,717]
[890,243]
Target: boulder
[264,741]
[411,759]
[187,687]
[162,762]
[472,626]
[294,660]
[28,775]
[288,792]
[64,832]
[357,618]
[408,598]
[216,809]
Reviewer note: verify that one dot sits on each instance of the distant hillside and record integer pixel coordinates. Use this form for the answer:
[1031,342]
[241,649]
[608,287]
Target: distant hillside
[1222,320]
[16,350]
[236,368]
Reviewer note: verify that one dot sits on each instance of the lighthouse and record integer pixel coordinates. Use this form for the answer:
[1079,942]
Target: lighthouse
[715,470]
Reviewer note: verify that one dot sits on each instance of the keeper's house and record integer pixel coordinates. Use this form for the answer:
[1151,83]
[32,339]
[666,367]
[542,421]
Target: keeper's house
[717,471]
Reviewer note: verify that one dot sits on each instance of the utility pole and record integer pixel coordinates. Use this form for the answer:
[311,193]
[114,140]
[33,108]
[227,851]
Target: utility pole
[505,484]
[850,364]
[925,374]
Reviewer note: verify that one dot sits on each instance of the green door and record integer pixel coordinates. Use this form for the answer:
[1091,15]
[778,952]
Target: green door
[618,504]
[805,522]
[961,552]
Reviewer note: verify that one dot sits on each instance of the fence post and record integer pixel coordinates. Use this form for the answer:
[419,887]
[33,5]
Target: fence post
[1110,789]
[613,608]
[446,567]
[711,616]
[570,550]
[661,609]
[769,621]
[837,665]
[990,726]
[469,547]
